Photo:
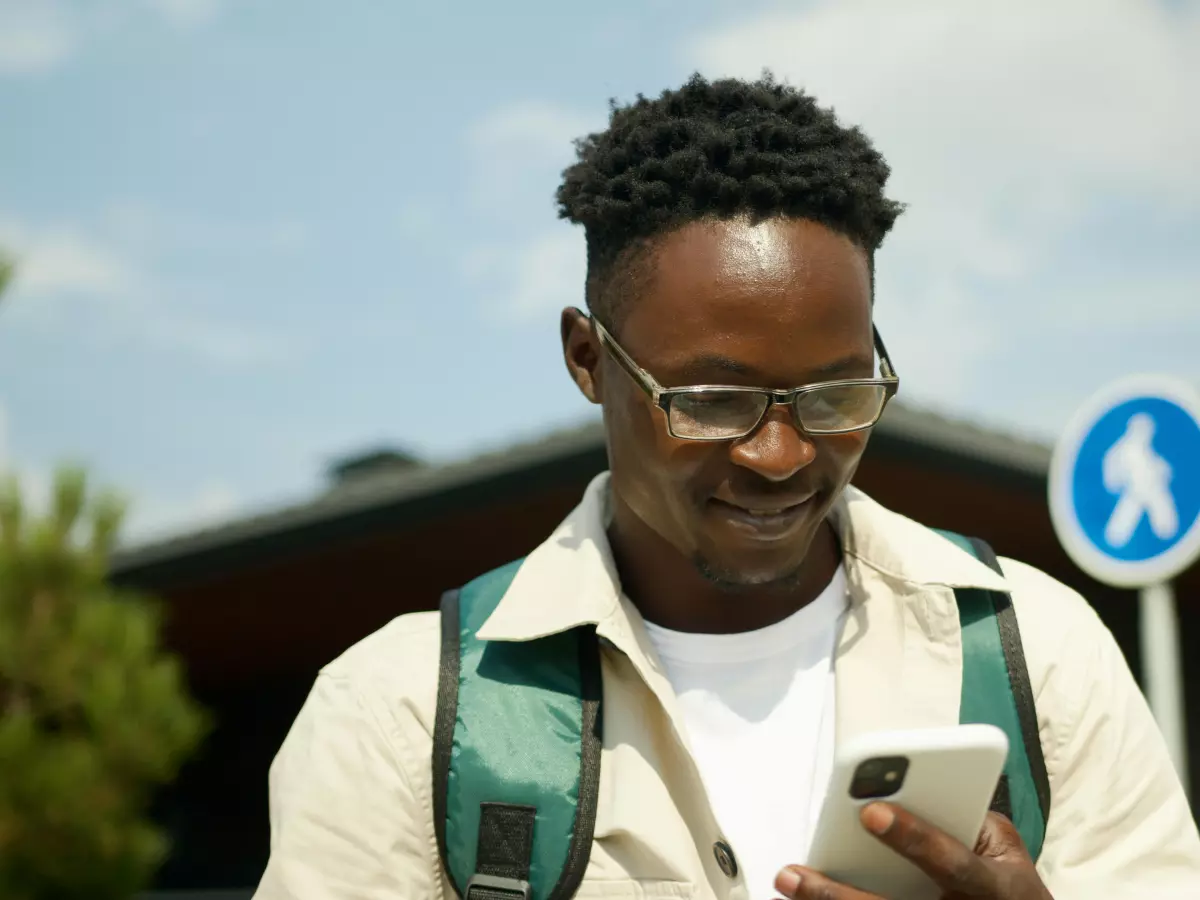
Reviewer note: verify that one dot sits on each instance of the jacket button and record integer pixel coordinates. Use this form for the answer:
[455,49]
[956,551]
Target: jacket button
[725,858]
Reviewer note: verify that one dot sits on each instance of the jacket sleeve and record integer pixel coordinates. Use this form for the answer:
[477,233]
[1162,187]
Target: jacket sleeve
[345,820]
[1119,827]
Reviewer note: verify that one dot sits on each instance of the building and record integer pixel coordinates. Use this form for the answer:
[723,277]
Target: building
[258,605]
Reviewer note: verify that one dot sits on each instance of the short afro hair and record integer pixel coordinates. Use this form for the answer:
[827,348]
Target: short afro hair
[716,150]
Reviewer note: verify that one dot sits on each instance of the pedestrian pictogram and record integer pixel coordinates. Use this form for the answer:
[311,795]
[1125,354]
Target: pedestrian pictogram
[1125,482]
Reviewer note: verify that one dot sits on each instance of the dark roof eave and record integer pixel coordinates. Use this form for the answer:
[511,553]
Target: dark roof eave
[386,502]
[975,449]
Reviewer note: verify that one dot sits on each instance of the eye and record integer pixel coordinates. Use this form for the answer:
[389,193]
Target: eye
[840,407]
[712,414]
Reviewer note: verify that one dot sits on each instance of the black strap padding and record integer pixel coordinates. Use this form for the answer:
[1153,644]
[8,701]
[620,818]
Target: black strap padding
[591,690]
[505,846]
[1002,799]
[444,722]
[1018,676]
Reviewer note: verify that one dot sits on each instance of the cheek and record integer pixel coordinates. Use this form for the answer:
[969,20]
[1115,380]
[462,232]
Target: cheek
[842,453]
[651,469]
[632,427]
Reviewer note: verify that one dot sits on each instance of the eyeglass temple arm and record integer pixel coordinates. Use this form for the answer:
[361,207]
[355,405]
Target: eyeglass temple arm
[641,377]
[885,362]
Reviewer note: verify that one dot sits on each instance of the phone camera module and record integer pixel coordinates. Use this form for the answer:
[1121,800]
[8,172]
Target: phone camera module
[880,777]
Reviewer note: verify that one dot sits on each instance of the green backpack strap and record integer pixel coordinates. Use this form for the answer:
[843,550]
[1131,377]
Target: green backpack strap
[996,691]
[516,752]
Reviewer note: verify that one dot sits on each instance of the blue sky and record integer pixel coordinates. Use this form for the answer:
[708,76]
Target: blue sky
[256,236]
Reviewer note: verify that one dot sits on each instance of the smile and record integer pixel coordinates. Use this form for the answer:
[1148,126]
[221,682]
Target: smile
[763,523]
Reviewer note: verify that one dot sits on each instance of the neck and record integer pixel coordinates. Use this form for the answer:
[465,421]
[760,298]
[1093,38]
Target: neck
[668,590]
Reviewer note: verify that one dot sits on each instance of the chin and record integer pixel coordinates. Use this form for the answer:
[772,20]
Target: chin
[732,577]
[733,562]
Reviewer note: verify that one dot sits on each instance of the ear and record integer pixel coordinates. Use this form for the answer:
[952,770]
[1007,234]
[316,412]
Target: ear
[581,352]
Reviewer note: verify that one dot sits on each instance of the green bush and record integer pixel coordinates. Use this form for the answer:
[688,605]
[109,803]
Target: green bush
[93,714]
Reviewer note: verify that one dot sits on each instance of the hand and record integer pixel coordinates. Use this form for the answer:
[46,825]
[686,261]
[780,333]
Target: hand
[998,869]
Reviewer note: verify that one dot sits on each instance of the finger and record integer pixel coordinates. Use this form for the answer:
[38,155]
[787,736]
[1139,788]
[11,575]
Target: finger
[799,883]
[999,839]
[949,862]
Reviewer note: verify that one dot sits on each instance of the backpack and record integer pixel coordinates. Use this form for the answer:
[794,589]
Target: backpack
[516,743]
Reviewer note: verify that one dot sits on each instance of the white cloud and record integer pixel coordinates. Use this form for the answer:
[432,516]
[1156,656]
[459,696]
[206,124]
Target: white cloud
[62,269]
[63,259]
[35,35]
[530,126]
[1139,302]
[1057,96]
[517,153]
[550,272]
[534,276]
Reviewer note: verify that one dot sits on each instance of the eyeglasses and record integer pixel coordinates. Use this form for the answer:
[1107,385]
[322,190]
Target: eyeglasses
[709,412]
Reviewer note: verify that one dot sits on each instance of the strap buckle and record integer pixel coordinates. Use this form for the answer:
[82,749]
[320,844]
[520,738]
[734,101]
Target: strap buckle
[494,887]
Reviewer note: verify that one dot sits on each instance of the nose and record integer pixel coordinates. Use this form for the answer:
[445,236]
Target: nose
[776,450]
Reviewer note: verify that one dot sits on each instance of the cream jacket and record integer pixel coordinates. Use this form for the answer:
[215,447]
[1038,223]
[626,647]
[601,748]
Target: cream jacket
[351,793]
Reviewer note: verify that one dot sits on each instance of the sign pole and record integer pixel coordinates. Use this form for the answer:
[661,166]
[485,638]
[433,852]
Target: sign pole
[1163,672]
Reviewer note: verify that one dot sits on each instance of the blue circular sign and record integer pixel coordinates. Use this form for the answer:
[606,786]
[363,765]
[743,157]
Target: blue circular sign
[1125,482]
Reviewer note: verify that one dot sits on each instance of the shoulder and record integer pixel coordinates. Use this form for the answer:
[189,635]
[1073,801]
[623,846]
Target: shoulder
[405,648]
[1119,821]
[1072,658]
[402,644]
[351,787]
[1048,609]
[1062,636]
[393,674]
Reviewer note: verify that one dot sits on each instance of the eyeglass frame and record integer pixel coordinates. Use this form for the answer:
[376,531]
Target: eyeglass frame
[663,396]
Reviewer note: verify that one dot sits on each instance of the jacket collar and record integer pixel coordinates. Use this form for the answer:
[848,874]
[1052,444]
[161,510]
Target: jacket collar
[571,579]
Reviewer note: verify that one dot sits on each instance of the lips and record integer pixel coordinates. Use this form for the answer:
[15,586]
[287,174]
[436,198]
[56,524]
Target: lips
[766,521]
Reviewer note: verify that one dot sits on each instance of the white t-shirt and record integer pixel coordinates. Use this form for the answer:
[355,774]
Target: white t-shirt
[758,711]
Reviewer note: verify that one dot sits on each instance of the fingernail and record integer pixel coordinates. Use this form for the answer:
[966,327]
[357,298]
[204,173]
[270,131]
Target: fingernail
[787,881]
[878,818]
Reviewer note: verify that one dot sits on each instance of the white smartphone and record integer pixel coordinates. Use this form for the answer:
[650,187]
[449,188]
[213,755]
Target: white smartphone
[947,776]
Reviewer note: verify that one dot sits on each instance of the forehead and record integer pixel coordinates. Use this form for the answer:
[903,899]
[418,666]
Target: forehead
[769,294]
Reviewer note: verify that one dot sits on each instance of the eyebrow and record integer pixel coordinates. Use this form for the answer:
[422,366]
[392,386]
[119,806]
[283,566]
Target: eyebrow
[699,366]
[714,361]
[842,367]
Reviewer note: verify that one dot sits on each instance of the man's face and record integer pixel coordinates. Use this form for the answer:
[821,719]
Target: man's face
[778,304]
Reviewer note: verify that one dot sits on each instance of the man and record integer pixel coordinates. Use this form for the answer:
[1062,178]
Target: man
[752,607]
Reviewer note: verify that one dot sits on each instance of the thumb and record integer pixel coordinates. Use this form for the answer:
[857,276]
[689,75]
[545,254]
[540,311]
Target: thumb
[1000,840]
